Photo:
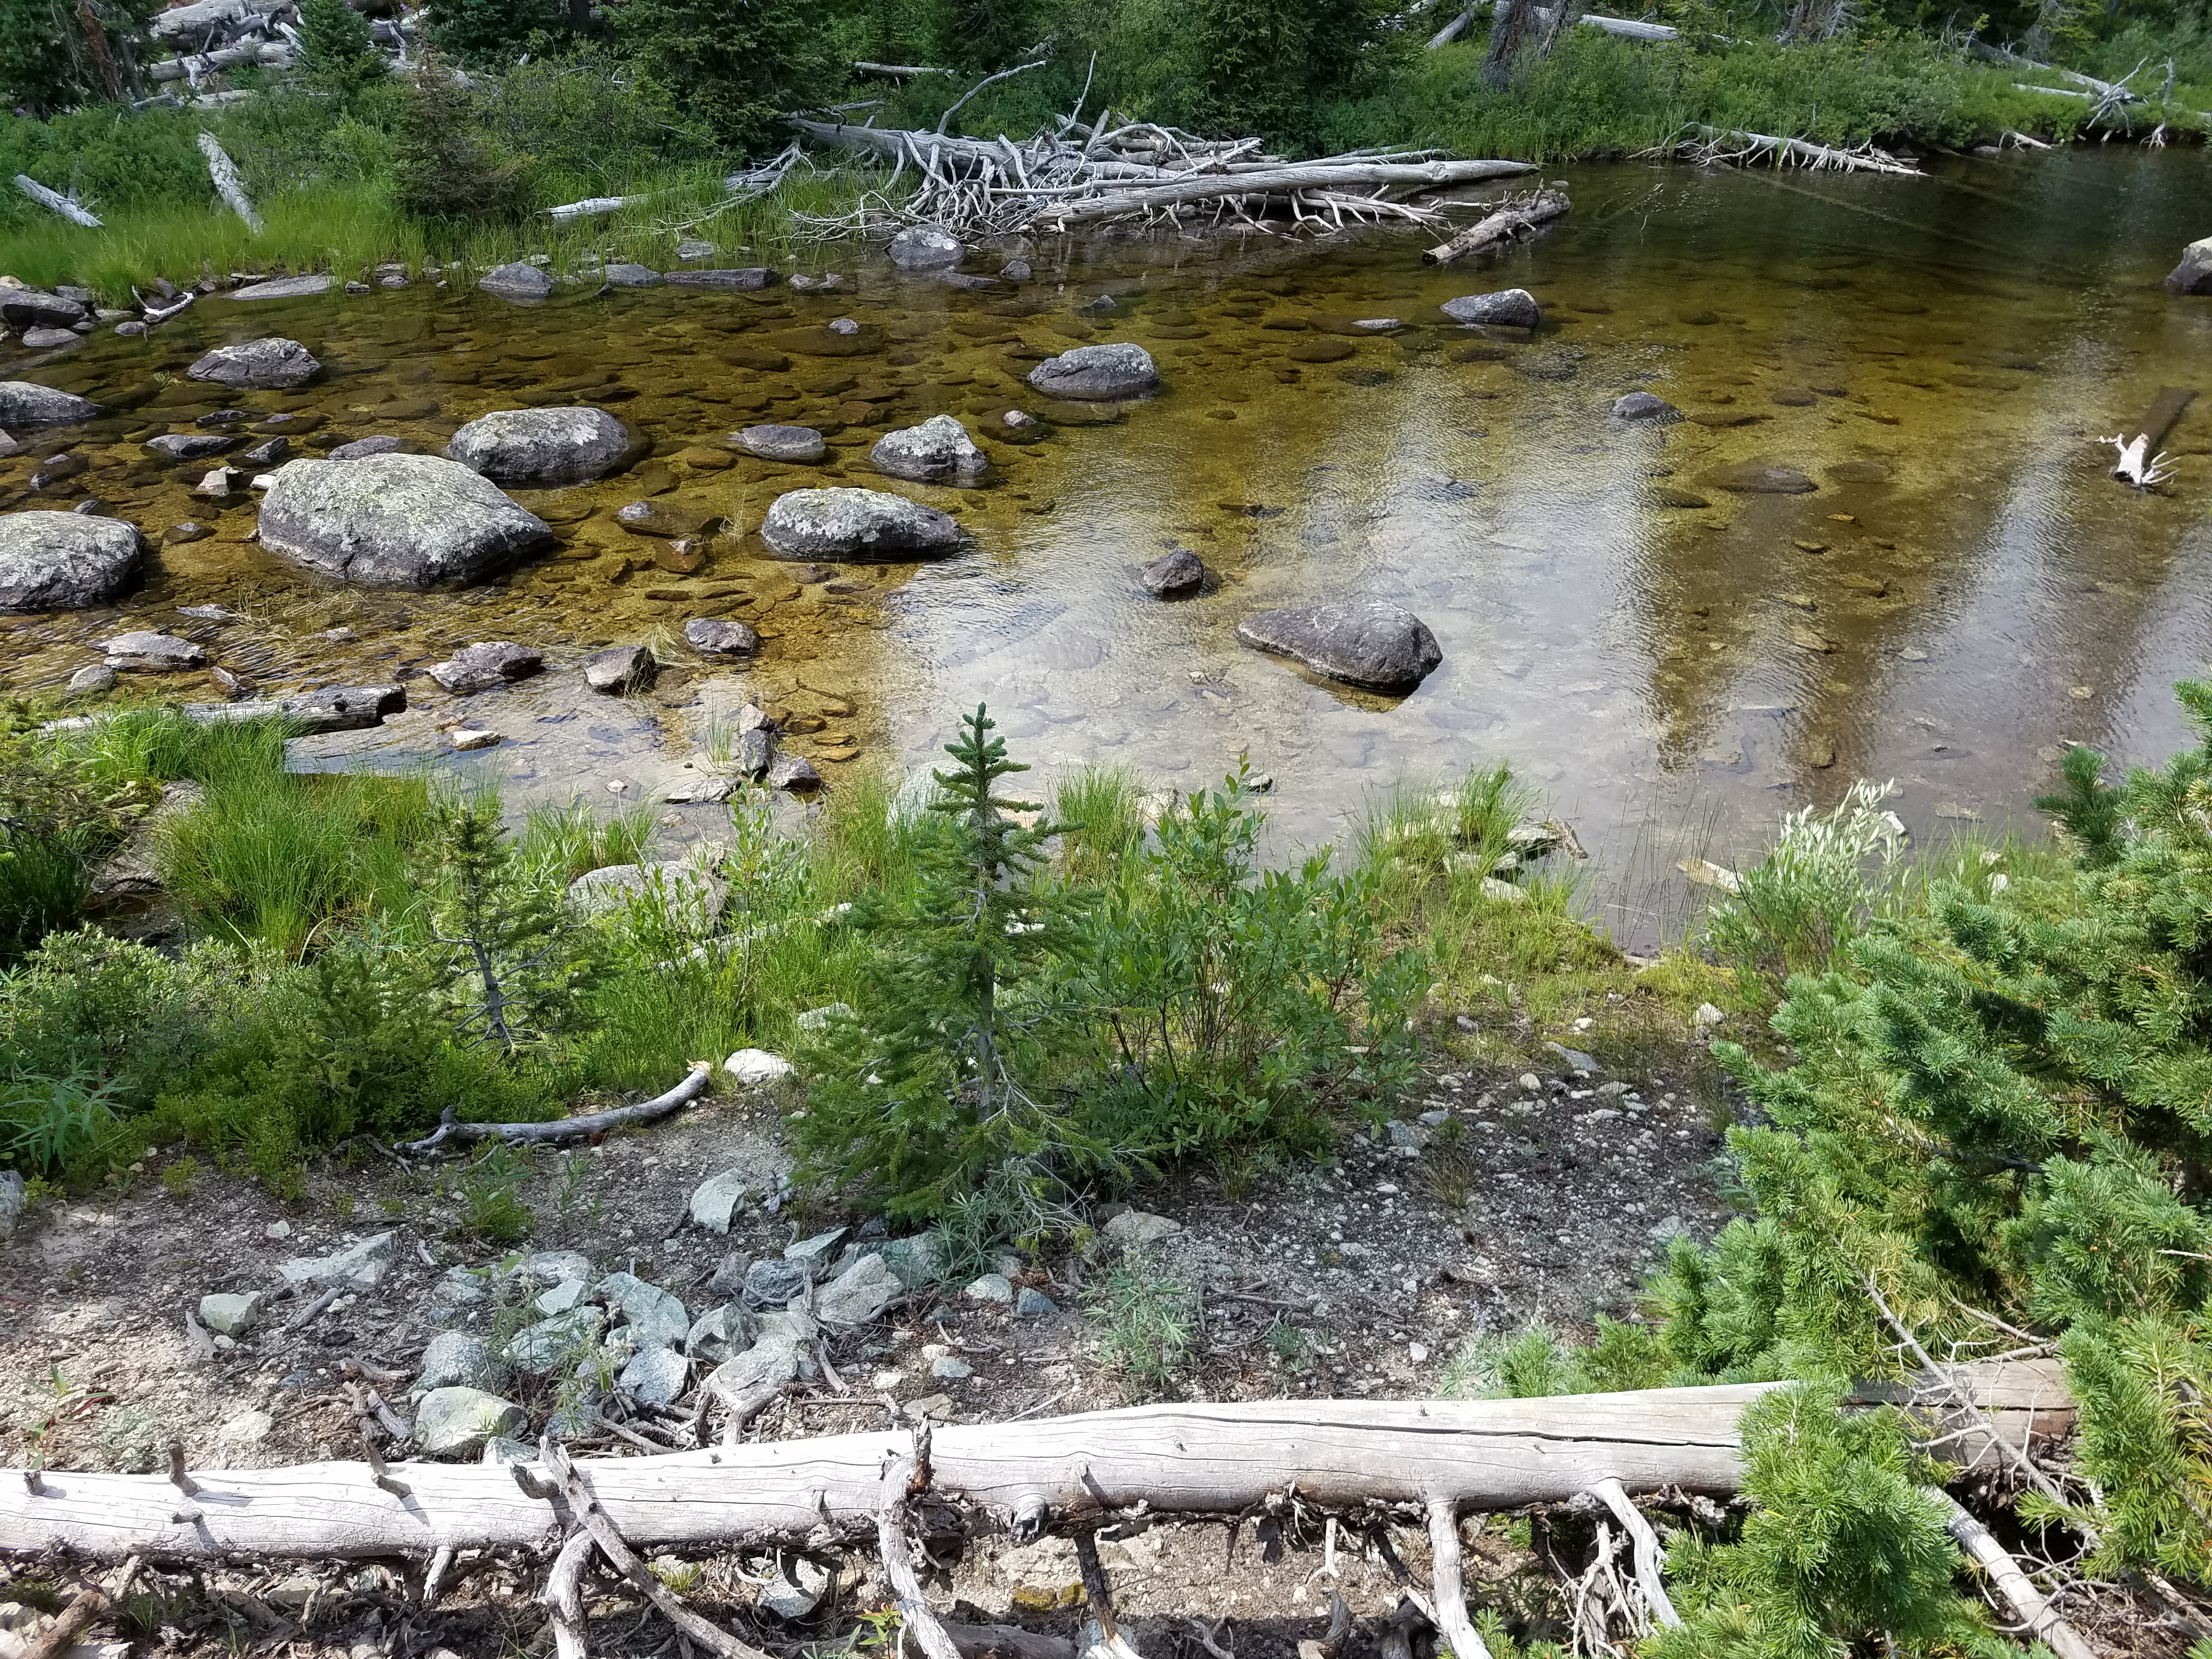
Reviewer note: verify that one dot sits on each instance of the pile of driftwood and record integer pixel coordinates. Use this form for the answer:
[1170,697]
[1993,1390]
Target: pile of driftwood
[211,36]
[1706,145]
[1282,1465]
[1077,173]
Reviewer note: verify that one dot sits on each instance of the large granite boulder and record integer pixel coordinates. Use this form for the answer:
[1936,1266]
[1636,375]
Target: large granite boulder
[925,247]
[939,451]
[544,447]
[2194,274]
[1098,373]
[257,365]
[1364,642]
[31,307]
[857,524]
[1511,308]
[64,561]
[396,520]
[25,403]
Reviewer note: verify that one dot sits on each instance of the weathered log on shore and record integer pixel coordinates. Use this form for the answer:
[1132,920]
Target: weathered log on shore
[1181,1460]
[1509,224]
[68,207]
[1272,181]
[275,54]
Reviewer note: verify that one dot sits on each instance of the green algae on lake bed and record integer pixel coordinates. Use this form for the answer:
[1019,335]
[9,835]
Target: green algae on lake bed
[1960,589]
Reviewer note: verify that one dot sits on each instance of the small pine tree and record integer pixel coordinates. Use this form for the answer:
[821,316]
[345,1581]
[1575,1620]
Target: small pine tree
[339,52]
[742,64]
[497,31]
[929,1087]
[514,959]
[445,167]
[1264,63]
[984,34]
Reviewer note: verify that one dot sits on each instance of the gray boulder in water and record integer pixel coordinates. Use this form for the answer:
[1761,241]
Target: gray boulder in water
[1363,642]
[257,365]
[783,443]
[1511,308]
[396,520]
[26,404]
[925,247]
[2194,274]
[939,451]
[1097,373]
[542,445]
[1174,576]
[64,561]
[31,307]
[1642,408]
[519,281]
[856,524]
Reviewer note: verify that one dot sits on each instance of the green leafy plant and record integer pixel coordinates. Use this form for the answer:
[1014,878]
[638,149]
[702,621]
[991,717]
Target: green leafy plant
[1147,1321]
[492,1206]
[1827,875]
[53,1124]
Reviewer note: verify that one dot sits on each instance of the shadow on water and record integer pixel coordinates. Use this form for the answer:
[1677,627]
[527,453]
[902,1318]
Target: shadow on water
[1959,591]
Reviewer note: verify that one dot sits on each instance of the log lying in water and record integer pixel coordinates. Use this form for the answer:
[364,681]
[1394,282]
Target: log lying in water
[1280,181]
[1509,224]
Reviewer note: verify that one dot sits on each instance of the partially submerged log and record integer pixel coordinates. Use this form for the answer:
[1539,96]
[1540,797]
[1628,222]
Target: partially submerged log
[2139,463]
[67,206]
[1511,224]
[1284,181]
[1750,148]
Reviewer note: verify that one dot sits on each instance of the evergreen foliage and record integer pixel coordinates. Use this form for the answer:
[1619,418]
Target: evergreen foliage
[445,166]
[1263,64]
[339,53]
[493,32]
[741,64]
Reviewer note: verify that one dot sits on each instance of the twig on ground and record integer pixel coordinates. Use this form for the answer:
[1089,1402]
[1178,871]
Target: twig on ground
[1447,1565]
[90,1603]
[572,1128]
[919,1617]
[564,1595]
[2020,1595]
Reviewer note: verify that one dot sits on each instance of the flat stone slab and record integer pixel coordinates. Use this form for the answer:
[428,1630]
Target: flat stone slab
[284,288]
[396,520]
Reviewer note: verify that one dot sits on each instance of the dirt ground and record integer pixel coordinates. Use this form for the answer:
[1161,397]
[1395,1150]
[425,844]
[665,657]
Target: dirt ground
[1363,1276]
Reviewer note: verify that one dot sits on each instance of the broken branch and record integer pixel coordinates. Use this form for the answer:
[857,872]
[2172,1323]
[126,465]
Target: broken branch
[572,1128]
[1446,1564]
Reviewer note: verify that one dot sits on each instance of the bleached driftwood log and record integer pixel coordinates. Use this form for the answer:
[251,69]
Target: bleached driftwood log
[68,207]
[2028,1603]
[1191,1460]
[2139,462]
[1629,28]
[274,53]
[227,184]
[899,71]
[1509,224]
[1749,149]
[572,1128]
[1279,181]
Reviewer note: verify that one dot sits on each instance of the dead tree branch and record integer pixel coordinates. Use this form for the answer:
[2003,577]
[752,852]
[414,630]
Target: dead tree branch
[572,1128]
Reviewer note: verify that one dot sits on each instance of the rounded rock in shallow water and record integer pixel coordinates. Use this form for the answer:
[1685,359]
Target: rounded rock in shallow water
[1759,478]
[1511,308]
[716,636]
[64,561]
[1364,643]
[26,404]
[272,364]
[1098,373]
[925,247]
[938,451]
[1644,410]
[518,282]
[1174,576]
[856,524]
[396,520]
[544,446]
[783,443]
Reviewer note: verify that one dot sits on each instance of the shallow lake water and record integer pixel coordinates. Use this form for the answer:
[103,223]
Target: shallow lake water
[1964,591]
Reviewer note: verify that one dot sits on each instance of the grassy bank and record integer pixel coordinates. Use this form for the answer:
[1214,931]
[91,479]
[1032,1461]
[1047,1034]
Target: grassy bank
[331,175]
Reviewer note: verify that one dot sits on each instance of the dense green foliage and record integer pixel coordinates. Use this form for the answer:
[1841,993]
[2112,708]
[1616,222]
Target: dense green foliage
[741,64]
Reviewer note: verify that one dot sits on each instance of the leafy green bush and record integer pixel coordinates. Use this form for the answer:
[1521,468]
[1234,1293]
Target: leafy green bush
[49,1123]
[741,67]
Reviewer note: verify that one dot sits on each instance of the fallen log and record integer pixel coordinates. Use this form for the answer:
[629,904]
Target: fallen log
[67,206]
[1733,144]
[1183,1460]
[571,1128]
[1420,175]
[274,53]
[228,185]
[1508,224]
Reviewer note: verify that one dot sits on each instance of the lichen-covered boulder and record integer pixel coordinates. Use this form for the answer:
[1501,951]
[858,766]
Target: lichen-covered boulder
[1098,373]
[939,451]
[64,561]
[396,520]
[544,447]
[268,365]
[1511,308]
[857,524]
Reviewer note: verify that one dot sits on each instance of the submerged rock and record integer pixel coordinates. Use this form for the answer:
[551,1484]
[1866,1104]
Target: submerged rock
[487,665]
[925,247]
[1646,410]
[191,445]
[1364,642]
[783,443]
[746,279]
[856,524]
[630,275]
[938,451]
[26,404]
[396,520]
[717,636]
[362,449]
[542,445]
[152,653]
[1175,575]
[257,365]
[284,288]
[1511,308]
[1098,373]
[1759,478]
[64,561]
[519,281]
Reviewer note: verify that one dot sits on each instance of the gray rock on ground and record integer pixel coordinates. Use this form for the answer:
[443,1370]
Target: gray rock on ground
[718,636]
[554,1266]
[15,1199]
[815,1254]
[360,1265]
[132,872]
[1367,643]
[1644,408]
[859,1294]
[772,1283]
[2192,276]
[691,898]
[24,404]
[1098,373]
[50,339]
[268,365]
[715,1200]
[925,247]
[91,680]
[1174,576]
[856,524]
[656,1318]
[231,1313]
[620,668]
[656,1376]
[794,772]
[992,1287]
[939,451]
[544,1346]
[797,444]
[722,1331]
[456,1359]
[753,1068]
[1139,1228]
[918,1260]
[520,281]
[543,447]
[486,665]
[1035,1304]
[396,520]
[150,653]
[64,561]
[457,1422]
